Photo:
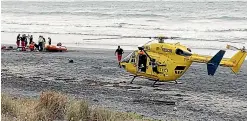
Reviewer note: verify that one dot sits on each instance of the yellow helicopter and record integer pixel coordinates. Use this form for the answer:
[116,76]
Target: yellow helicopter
[169,61]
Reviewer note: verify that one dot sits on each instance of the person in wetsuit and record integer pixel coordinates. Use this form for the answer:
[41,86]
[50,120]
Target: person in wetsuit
[59,44]
[119,52]
[44,42]
[31,39]
[49,40]
[26,40]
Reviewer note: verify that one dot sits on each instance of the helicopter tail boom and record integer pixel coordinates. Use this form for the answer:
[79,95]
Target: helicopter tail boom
[234,63]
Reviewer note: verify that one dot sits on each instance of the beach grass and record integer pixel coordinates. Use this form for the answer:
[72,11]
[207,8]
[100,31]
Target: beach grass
[52,106]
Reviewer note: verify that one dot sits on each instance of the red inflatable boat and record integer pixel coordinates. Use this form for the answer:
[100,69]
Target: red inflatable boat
[54,48]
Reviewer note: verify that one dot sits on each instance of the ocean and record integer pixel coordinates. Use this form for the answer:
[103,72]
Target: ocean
[203,26]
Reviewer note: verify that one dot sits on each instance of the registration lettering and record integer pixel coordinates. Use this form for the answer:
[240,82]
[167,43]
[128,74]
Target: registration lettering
[167,50]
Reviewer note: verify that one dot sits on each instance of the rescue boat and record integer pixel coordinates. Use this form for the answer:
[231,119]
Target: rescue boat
[54,48]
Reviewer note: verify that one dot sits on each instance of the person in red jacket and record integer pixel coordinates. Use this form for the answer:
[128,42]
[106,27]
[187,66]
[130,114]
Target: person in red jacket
[119,53]
[23,42]
[31,46]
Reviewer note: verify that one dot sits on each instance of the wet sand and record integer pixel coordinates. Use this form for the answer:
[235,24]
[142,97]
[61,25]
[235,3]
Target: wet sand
[95,76]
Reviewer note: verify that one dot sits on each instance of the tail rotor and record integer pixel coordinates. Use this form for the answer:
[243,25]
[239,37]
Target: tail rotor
[238,58]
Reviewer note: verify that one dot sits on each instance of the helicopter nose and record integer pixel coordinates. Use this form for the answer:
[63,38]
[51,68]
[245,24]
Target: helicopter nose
[123,64]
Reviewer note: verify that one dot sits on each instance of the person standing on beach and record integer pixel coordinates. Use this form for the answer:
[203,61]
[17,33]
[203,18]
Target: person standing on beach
[26,37]
[43,43]
[23,42]
[40,41]
[31,39]
[49,40]
[119,52]
[18,39]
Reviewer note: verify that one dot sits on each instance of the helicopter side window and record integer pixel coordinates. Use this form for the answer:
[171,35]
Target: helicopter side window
[182,53]
[133,60]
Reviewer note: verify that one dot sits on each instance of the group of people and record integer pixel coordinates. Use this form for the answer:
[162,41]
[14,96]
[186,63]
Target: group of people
[22,42]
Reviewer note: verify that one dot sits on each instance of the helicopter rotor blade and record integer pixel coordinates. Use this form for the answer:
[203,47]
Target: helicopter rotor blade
[147,43]
[121,37]
[147,55]
[100,38]
[164,37]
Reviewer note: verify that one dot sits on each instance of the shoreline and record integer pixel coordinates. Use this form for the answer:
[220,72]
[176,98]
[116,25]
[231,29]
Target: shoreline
[71,40]
[75,41]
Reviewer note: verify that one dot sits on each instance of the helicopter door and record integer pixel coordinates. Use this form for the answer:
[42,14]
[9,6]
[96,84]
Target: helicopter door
[142,63]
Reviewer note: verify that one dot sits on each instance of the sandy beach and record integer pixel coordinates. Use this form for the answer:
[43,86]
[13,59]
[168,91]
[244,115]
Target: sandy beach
[95,76]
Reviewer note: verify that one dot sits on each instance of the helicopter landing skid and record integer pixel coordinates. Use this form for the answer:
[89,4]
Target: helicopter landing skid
[155,81]
[176,82]
[134,76]
[131,82]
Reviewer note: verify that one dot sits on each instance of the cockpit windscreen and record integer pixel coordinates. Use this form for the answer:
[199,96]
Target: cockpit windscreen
[128,57]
